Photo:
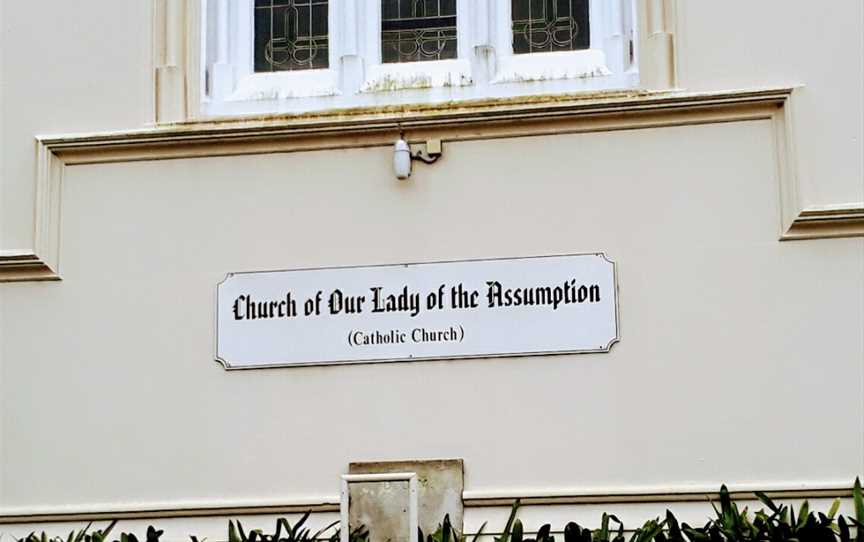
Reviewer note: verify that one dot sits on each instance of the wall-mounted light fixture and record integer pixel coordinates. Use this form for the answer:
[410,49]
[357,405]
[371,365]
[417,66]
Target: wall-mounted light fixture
[403,156]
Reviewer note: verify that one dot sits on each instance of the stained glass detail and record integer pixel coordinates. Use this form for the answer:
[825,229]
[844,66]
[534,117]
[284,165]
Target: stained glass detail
[418,30]
[291,35]
[550,25]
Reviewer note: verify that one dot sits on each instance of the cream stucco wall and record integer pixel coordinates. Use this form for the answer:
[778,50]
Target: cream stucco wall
[741,359]
[742,44]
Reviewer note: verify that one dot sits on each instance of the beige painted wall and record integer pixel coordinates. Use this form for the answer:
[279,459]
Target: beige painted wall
[741,360]
[720,323]
[744,44]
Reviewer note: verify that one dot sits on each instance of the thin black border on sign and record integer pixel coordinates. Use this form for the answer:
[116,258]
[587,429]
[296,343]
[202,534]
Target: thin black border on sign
[228,367]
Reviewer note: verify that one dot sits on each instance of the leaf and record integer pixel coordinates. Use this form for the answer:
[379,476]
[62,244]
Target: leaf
[803,514]
[446,528]
[505,535]
[696,535]
[674,529]
[792,517]
[648,531]
[543,533]
[479,532]
[284,522]
[153,535]
[83,532]
[603,534]
[232,532]
[767,501]
[326,528]
[859,530]
[725,503]
[517,531]
[859,500]
[358,534]
[835,506]
[299,524]
[844,530]
[104,533]
[620,526]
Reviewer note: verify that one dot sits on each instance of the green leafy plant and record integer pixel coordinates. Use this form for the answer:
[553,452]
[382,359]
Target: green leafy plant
[447,533]
[84,535]
[285,532]
[779,523]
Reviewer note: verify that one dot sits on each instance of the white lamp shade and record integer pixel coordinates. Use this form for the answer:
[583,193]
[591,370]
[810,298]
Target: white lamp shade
[401,159]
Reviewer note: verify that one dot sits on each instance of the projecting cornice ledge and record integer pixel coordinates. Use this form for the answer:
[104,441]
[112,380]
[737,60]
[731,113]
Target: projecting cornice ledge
[24,265]
[486,119]
[824,222]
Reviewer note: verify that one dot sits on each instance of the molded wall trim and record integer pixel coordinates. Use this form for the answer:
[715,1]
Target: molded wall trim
[488,119]
[471,499]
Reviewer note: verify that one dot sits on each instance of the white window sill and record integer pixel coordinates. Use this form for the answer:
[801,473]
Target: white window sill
[417,75]
[591,87]
[409,84]
[555,66]
[285,85]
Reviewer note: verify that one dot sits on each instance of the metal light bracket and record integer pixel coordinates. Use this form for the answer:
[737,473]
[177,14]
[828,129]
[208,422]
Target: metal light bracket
[431,154]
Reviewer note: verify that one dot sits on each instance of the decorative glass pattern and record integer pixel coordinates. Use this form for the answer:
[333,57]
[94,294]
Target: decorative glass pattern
[291,35]
[418,30]
[542,26]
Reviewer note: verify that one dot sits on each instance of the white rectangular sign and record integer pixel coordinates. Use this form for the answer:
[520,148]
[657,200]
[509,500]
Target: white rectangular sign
[464,309]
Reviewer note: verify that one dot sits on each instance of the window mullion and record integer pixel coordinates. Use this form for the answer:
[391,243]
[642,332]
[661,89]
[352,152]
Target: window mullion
[480,34]
[228,44]
[220,70]
[346,38]
[242,22]
[614,42]
[470,26]
[499,37]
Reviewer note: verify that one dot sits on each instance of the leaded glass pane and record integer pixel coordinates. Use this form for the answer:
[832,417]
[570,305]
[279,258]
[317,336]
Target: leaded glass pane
[291,35]
[542,26]
[418,30]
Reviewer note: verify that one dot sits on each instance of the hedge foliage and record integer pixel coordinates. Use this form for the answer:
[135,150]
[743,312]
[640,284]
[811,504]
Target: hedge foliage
[775,523]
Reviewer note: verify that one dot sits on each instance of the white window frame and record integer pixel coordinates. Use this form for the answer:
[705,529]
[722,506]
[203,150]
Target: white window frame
[485,66]
[230,76]
[381,77]
[611,24]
